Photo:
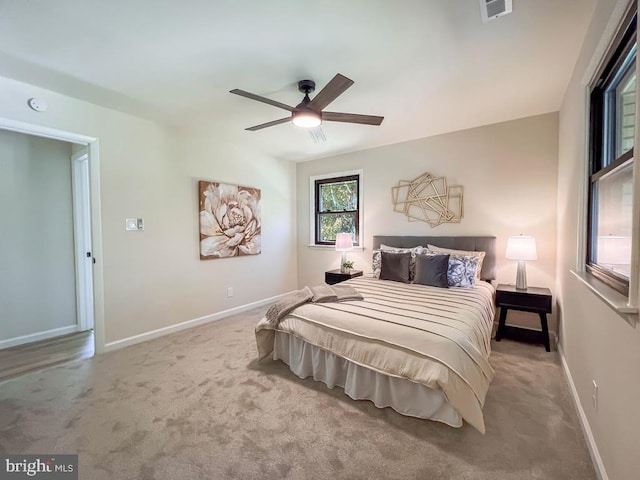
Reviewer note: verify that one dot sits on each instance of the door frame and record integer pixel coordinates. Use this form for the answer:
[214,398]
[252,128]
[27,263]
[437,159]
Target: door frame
[93,161]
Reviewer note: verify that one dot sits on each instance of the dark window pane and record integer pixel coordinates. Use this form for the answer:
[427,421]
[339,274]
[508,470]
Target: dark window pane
[338,196]
[626,112]
[620,110]
[333,223]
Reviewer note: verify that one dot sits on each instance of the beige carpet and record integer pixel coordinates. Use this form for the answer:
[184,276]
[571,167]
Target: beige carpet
[195,405]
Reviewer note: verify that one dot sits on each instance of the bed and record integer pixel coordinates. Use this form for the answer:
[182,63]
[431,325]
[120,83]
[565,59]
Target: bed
[421,350]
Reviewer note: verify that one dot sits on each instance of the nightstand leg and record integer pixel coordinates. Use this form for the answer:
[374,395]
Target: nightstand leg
[545,331]
[503,319]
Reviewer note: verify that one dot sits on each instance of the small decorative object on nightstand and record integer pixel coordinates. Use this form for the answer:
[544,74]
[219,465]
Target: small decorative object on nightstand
[533,299]
[336,276]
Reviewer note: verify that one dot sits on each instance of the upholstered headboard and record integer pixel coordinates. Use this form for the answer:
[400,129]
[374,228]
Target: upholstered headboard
[477,244]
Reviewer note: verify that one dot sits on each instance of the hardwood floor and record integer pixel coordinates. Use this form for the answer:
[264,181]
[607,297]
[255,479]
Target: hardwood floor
[21,359]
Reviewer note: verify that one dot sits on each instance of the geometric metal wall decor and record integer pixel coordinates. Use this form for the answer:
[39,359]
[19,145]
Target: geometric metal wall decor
[428,199]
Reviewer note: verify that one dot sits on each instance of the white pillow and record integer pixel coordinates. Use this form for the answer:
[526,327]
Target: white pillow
[414,250]
[450,251]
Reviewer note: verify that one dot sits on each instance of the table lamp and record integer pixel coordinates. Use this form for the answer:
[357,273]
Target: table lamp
[344,243]
[521,248]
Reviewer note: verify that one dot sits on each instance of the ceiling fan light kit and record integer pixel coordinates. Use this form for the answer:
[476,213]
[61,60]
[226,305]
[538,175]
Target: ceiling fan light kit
[309,112]
[302,115]
[306,119]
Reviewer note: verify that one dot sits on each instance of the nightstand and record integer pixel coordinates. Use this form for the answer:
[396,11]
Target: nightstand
[336,276]
[533,299]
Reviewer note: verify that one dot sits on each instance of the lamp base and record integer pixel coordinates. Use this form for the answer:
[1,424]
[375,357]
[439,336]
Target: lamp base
[521,276]
[342,260]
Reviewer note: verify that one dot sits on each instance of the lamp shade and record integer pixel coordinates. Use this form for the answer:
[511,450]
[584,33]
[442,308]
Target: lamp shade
[614,250]
[521,248]
[344,242]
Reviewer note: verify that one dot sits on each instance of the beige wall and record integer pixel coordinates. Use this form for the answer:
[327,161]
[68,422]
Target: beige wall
[597,343]
[154,278]
[37,279]
[508,171]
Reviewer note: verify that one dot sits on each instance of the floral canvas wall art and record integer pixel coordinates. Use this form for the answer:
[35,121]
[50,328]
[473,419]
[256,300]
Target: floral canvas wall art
[229,220]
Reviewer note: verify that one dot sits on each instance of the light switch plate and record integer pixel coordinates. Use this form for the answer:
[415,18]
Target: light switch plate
[134,224]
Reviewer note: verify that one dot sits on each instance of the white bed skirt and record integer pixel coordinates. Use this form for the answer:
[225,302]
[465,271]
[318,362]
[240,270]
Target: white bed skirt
[361,383]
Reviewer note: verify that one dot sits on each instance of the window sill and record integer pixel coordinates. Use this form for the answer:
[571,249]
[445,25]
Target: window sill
[331,247]
[612,298]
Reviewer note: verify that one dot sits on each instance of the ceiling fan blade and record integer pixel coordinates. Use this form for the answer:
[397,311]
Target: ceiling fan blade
[258,98]
[351,118]
[269,124]
[330,92]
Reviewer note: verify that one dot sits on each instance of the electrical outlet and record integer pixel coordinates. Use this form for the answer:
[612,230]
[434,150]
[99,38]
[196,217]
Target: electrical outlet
[594,397]
[229,292]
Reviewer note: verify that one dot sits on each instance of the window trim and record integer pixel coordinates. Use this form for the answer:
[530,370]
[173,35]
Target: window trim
[626,307]
[358,242]
[602,145]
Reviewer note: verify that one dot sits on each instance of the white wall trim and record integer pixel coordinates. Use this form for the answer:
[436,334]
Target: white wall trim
[584,423]
[42,131]
[36,337]
[143,337]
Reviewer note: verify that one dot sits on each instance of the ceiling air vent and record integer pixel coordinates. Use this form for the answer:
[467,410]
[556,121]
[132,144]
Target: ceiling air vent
[491,9]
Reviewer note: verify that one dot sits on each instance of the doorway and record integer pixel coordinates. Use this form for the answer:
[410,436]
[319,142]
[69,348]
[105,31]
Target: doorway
[84,258]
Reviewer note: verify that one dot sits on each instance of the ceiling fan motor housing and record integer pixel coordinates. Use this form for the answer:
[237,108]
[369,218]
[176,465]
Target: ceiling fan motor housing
[306,86]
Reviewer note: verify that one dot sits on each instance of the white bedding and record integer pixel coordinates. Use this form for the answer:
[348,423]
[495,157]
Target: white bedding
[437,337]
[361,383]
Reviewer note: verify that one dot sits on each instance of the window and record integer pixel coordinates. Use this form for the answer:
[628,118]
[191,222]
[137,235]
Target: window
[336,202]
[612,135]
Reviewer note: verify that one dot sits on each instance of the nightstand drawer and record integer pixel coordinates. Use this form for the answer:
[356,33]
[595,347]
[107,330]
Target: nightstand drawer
[538,299]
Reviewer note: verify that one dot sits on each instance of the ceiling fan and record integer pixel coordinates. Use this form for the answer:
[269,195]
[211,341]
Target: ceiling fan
[310,112]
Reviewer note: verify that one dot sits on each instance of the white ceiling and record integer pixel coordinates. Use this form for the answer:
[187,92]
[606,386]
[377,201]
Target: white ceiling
[427,66]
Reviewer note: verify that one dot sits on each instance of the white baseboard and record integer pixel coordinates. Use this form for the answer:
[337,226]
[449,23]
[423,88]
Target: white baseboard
[588,434]
[143,337]
[36,337]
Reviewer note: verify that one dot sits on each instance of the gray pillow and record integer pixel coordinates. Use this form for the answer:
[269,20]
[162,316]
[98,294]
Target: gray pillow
[432,270]
[395,266]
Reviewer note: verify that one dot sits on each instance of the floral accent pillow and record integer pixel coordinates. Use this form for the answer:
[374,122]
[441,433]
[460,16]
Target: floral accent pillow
[462,270]
[412,264]
[376,263]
